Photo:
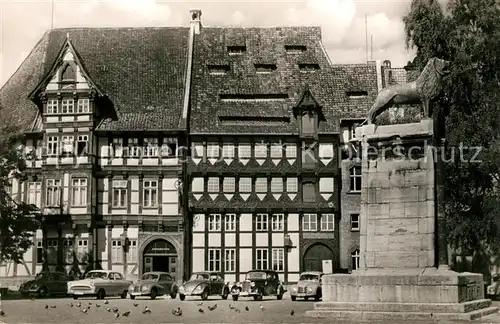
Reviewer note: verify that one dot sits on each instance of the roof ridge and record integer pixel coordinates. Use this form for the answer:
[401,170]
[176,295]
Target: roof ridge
[115,28]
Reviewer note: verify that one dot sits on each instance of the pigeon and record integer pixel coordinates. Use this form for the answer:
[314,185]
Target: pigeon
[117,315]
[2,313]
[85,310]
[71,305]
[79,304]
[261,307]
[237,310]
[115,309]
[246,308]
[90,303]
[135,304]
[231,306]
[52,306]
[88,307]
[32,298]
[212,307]
[292,313]
[177,312]
[109,309]
[200,304]
[201,310]
[148,311]
[97,305]
[106,302]
[46,306]
[127,313]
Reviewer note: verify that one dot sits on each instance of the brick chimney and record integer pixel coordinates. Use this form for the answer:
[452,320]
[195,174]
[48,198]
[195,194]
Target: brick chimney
[195,20]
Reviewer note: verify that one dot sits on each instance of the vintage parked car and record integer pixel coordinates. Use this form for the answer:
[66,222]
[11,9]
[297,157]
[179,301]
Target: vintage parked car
[309,286]
[493,290]
[204,284]
[99,283]
[154,284]
[259,283]
[45,283]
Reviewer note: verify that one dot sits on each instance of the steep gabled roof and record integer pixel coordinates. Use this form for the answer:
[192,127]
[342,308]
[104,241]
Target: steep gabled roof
[141,70]
[211,111]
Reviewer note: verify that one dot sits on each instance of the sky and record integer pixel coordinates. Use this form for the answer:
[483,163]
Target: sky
[23,22]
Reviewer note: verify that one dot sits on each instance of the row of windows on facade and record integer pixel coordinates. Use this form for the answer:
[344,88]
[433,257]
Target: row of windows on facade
[309,222]
[261,259]
[82,249]
[67,106]
[79,187]
[260,150]
[259,185]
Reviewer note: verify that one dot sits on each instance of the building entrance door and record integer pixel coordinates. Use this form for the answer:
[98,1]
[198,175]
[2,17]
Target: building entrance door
[160,255]
[314,256]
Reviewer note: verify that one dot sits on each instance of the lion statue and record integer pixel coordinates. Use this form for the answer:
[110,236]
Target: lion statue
[422,90]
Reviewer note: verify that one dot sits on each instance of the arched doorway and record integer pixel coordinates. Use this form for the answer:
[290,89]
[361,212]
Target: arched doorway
[314,256]
[160,255]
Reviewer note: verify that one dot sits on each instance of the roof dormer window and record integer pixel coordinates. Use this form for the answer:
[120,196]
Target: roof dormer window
[295,49]
[236,50]
[308,67]
[218,69]
[357,93]
[264,68]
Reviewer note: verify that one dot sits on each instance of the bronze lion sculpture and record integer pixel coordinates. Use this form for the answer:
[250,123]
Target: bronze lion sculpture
[420,91]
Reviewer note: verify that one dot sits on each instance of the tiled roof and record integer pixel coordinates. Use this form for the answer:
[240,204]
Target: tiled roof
[141,70]
[328,85]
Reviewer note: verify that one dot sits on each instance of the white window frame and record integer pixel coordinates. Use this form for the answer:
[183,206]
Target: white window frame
[167,150]
[230,222]
[259,185]
[276,150]
[82,248]
[309,222]
[120,193]
[324,182]
[68,248]
[292,185]
[277,185]
[214,259]
[353,176]
[355,223]
[68,106]
[117,145]
[79,191]
[213,185]
[327,222]
[278,222]
[198,184]
[229,185]
[213,151]
[278,259]
[262,259]
[83,105]
[260,150]
[326,151]
[68,143]
[230,260]
[214,222]
[355,256]
[244,151]
[150,147]
[134,150]
[151,187]
[228,151]
[52,145]
[245,185]
[52,246]
[53,193]
[116,251]
[291,150]
[198,149]
[132,251]
[261,222]
[52,106]
[82,139]
[35,193]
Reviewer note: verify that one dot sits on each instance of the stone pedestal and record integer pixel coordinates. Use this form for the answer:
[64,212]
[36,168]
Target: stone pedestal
[397,278]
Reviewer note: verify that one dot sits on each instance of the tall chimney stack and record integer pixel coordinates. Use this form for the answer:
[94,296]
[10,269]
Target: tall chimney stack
[195,20]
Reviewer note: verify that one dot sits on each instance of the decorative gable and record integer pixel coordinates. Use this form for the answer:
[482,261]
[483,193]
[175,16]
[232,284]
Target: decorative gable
[309,112]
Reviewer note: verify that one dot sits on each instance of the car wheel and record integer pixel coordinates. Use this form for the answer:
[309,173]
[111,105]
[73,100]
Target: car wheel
[258,297]
[154,293]
[132,297]
[101,294]
[75,297]
[318,295]
[279,296]
[294,298]
[124,295]
[204,295]
[43,292]
[225,294]
[235,297]
[182,297]
[306,298]
[173,294]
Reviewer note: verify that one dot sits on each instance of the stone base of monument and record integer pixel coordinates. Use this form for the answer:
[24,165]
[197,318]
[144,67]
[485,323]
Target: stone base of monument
[403,294]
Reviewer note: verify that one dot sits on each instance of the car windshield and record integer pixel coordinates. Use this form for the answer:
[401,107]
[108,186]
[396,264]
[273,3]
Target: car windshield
[96,274]
[149,276]
[199,276]
[309,277]
[256,275]
[41,275]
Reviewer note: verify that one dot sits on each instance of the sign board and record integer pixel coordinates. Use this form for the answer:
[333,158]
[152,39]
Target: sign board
[327,266]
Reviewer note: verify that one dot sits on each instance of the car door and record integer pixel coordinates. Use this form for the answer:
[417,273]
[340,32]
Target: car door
[215,285]
[166,282]
[271,284]
[109,284]
[51,282]
[62,283]
[120,283]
